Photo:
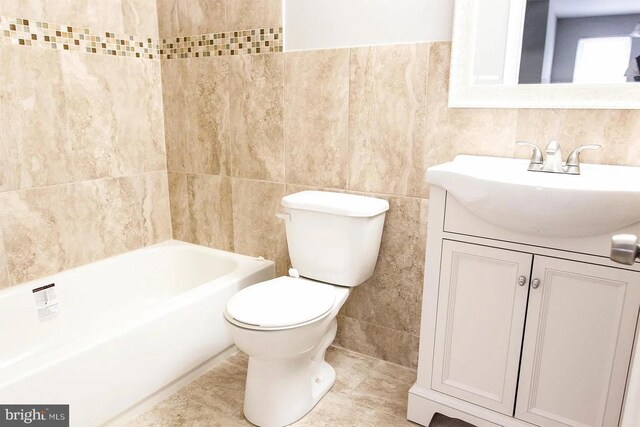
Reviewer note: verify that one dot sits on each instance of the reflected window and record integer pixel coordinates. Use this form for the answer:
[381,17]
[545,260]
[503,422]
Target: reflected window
[602,60]
[576,41]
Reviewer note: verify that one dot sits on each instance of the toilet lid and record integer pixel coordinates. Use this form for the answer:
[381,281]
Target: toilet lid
[281,302]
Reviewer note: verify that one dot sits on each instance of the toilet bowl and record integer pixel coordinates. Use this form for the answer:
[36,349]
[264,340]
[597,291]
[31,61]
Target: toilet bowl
[285,325]
[286,356]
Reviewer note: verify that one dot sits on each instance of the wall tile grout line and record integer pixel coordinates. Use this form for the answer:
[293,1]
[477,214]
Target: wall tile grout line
[104,178]
[381,326]
[302,185]
[349,88]
[284,119]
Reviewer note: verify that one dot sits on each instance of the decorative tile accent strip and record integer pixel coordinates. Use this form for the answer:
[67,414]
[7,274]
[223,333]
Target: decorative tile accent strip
[25,32]
[245,42]
[19,31]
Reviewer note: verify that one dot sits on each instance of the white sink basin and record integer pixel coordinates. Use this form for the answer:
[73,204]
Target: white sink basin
[503,192]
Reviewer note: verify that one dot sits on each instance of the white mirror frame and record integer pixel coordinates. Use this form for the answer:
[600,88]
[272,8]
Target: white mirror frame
[464,94]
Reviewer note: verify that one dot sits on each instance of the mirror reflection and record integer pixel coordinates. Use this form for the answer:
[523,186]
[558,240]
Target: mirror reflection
[580,41]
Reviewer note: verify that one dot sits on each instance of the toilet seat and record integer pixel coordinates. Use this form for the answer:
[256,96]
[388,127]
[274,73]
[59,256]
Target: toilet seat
[281,303]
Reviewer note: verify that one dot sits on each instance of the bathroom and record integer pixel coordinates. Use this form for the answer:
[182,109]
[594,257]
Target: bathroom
[148,150]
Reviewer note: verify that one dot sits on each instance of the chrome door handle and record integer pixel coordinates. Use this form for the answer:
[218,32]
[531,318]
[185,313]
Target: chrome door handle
[522,280]
[535,284]
[625,249]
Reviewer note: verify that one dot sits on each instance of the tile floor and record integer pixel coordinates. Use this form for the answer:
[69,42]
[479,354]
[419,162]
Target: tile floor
[368,392]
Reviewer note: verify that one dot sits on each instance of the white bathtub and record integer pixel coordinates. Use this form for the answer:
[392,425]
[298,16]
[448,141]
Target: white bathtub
[126,327]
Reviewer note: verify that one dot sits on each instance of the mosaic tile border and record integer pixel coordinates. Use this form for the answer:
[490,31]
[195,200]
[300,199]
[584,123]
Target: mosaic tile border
[244,42]
[25,32]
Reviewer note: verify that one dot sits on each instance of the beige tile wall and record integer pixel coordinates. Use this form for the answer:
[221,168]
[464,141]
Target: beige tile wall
[191,17]
[135,17]
[366,120]
[316,118]
[82,157]
[256,106]
[388,100]
[194,97]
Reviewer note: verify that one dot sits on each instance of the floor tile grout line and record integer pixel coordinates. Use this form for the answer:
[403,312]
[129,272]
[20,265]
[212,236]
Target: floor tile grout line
[233,409]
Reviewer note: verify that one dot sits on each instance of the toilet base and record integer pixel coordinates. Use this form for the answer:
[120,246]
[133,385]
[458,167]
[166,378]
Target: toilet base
[274,411]
[323,383]
[281,391]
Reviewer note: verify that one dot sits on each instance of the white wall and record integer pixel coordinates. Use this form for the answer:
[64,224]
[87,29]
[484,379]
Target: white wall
[439,19]
[320,24]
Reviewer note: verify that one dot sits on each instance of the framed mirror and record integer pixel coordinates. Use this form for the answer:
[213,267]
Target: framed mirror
[546,54]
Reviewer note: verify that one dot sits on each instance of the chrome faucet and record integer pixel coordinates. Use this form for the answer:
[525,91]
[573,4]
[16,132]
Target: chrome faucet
[552,161]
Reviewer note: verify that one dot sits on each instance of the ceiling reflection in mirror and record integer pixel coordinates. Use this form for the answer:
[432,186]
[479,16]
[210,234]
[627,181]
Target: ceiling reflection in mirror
[557,41]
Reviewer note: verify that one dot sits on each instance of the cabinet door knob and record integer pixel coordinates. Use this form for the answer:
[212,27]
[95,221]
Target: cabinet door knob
[535,284]
[522,280]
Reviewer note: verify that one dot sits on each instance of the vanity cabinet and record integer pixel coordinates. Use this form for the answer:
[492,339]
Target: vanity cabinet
[480,322]
[575,349]
[519,334]
[578,340]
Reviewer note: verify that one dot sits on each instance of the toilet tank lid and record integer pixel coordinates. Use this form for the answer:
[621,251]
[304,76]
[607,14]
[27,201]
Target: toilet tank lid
[336,203]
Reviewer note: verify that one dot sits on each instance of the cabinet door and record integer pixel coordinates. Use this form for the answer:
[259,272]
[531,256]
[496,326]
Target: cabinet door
[480,321]
[578,341]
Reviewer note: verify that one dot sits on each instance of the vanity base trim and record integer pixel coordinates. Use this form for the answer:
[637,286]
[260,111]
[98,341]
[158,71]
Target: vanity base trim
[424,404]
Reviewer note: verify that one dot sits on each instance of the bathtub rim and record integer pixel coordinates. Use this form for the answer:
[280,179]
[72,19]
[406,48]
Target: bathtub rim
[31,284]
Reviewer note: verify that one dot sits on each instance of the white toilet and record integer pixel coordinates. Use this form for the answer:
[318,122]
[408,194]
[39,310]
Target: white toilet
[286,324]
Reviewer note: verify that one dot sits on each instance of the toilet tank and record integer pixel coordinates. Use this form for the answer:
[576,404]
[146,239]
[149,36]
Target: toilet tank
[334,237]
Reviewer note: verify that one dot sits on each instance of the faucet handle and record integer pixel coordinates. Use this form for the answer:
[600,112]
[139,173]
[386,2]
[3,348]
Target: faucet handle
[536,156]
[574,157]
[573,161]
